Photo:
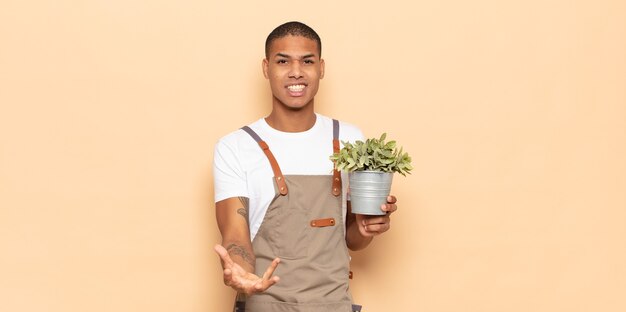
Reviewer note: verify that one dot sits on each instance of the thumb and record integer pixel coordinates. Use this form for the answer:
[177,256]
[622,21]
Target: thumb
[221,251]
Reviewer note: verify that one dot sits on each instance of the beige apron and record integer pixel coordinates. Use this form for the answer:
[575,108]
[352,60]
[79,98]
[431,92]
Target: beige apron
[304,227]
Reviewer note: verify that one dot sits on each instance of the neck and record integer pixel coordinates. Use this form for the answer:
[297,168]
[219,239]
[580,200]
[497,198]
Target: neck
[292,120]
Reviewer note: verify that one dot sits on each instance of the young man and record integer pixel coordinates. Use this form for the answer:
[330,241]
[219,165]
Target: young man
[284,218]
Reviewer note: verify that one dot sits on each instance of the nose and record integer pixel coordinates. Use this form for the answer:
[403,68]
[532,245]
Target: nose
[295,71]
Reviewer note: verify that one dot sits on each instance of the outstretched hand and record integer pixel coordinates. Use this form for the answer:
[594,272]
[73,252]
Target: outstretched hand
[243,281]
[370,226]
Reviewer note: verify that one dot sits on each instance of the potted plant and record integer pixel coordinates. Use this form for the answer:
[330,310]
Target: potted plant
[371,165]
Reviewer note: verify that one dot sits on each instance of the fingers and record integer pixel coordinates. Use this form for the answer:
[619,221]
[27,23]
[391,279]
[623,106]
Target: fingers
[228,277]
[374,225]
[221,251]
[266,283]
[370,220]
[227,262]
[268,280]
[390,206]
[377,228]
[270,270]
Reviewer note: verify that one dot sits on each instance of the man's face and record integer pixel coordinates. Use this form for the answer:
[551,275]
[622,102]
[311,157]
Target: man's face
[294,69]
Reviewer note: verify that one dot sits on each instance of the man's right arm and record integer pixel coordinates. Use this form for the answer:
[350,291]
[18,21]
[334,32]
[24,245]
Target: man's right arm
[236,254]
[232,221]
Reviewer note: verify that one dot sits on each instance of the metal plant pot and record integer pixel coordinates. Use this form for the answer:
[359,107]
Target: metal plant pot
[369,190]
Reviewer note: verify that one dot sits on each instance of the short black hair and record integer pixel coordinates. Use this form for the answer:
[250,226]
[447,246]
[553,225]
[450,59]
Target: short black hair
[295,29]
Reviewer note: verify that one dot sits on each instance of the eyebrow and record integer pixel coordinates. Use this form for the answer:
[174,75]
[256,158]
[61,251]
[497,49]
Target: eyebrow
[289,56]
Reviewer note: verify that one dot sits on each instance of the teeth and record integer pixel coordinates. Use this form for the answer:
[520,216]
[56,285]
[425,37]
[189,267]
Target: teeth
[296,88]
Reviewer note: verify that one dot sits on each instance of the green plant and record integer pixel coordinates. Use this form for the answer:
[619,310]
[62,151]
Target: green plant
[373,154]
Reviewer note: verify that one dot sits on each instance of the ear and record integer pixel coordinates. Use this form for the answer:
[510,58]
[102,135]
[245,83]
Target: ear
[322,65]
[265,64]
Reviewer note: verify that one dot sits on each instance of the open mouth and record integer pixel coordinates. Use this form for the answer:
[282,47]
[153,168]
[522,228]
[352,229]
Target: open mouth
[296,88]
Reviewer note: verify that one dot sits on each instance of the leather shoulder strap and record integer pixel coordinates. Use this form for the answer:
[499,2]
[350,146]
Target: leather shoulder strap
[278,175]
[336,186]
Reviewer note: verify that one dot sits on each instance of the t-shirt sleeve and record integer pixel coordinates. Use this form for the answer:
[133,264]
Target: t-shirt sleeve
[351,133]
[229,178]
[359,135]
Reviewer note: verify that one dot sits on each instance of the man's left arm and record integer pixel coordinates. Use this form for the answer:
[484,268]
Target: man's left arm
[361,229]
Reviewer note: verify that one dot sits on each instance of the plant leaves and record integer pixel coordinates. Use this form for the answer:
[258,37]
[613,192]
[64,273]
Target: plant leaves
[372,154]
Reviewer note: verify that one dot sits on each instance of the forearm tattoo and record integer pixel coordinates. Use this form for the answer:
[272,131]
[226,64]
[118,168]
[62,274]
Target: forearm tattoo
[245,210]
[235,249]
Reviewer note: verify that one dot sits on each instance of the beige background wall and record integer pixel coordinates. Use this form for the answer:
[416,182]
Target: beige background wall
[514,113]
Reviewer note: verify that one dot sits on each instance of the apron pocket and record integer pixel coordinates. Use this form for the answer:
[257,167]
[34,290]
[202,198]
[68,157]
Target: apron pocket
[292,235]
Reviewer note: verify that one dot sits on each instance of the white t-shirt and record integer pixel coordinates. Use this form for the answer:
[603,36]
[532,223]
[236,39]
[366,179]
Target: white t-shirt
[241,169]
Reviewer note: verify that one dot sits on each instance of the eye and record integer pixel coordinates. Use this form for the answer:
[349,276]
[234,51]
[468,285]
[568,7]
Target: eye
[281,61]
[309,62]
